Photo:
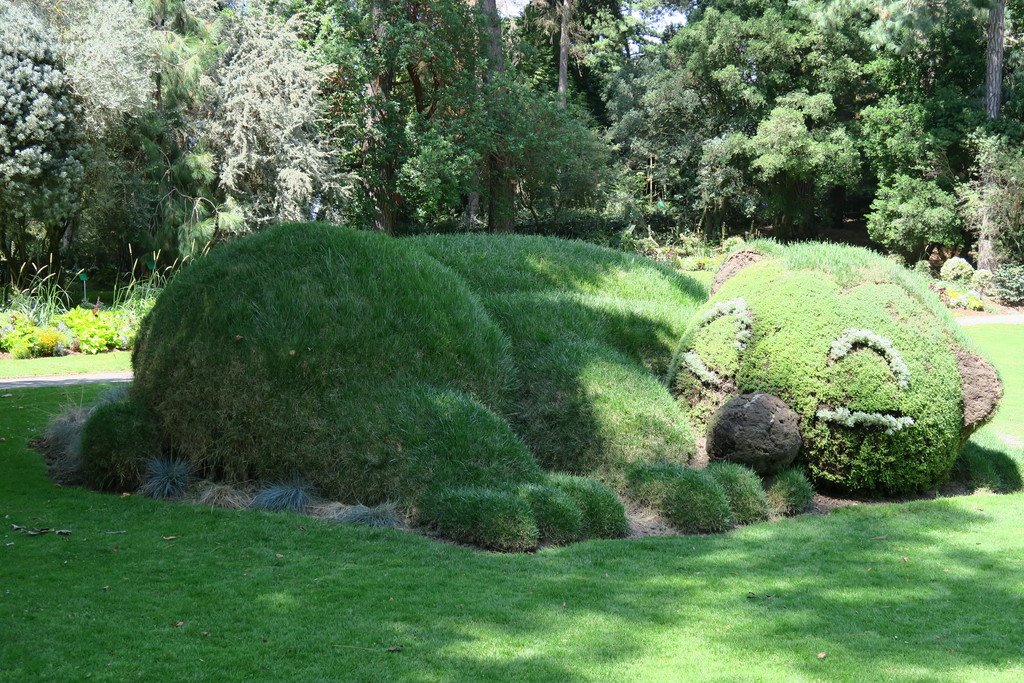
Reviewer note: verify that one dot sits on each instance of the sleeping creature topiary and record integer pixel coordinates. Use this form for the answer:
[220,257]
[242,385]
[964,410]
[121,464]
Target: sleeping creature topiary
[414,370]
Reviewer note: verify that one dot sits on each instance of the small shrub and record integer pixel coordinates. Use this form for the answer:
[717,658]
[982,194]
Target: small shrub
[649,484]
[697,503]
[983,280]
[923,267]
[117,439]
[63,439]
[295,496]
[46,342]
[790,493]
[747,498]
[559,518]
[604,516]
[956,269]
[1009,285]
[166,478]
[383,516]
[490,518]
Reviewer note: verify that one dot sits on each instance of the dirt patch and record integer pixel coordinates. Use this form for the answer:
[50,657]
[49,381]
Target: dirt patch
[982,389]
[734,264]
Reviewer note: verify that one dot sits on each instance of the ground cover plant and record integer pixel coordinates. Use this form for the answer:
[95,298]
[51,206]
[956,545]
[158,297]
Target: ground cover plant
[886,385]
[927,589]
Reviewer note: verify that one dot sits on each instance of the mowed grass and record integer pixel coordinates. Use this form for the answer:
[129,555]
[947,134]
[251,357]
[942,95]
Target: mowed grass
[927,590]
[113,361]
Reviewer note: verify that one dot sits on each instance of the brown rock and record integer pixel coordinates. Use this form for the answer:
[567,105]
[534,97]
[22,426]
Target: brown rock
[756,430]
[734,264]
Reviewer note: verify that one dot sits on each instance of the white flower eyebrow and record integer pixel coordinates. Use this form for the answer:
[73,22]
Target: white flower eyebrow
[882,345]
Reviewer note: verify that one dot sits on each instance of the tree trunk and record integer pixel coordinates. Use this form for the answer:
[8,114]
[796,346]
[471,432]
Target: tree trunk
[500,188]
[993,102]
[379,90]
[563,53]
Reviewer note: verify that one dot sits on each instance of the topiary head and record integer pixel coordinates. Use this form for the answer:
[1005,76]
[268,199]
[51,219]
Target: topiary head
[877,372]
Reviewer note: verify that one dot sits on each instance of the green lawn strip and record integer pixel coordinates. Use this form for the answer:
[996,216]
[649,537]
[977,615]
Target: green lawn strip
[67,365]
[887,592]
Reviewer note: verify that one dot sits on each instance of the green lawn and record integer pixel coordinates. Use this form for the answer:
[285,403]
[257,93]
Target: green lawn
[66,365]
[929,590]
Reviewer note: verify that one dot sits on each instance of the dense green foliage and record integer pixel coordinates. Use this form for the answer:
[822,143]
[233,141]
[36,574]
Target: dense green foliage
[603,513]
[695,502]
[866,358]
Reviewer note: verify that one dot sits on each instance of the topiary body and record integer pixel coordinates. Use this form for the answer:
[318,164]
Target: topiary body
[349,359]
[853,344]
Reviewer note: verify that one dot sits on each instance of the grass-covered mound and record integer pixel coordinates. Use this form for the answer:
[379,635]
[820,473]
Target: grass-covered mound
[347,359]
[592,333]
[854,344]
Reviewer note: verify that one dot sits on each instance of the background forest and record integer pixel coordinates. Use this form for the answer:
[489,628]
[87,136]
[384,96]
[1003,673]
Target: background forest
[163,127]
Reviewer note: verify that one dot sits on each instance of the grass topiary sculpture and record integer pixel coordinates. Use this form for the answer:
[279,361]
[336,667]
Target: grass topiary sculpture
[381,370]
[885,386]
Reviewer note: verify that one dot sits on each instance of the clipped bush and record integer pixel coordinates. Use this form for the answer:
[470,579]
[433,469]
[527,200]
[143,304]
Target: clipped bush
[294,495]
[604,516]
[118,438]
[696,503]
[956,269]
[351,359]
[558,515]
[166,478]
[923,267]
[790,494]
[1009,285]
[743,488]
[858,348]
[496,519]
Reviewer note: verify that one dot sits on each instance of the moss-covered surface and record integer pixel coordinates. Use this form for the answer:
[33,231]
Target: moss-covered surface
[802,301]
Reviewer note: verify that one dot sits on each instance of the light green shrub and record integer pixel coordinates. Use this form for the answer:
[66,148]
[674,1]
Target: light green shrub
[956,269]
[854,344]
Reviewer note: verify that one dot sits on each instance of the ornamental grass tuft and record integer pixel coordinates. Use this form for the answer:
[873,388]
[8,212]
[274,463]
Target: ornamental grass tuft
[747,498]
[294,495]
[166,478]
[697,504]
[604,515]
[790,493]
[495,519]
